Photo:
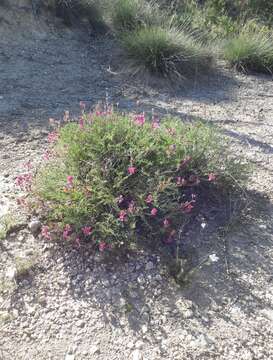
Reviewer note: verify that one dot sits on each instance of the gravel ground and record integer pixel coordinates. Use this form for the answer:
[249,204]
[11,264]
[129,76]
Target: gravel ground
[73,305]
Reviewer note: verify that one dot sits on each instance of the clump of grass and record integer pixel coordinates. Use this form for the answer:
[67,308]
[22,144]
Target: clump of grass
[250,51]
[7,223]
[129,15]
[24,266]
[168,52]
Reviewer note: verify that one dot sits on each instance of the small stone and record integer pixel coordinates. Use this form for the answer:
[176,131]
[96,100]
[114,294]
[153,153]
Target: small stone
[139,344]
[130,345]
[144,329]
[136,355]
[188,314]
[69,357]
[149,266]
[34,226]
[94,349]
[81,324]
[11,273]
[141,280]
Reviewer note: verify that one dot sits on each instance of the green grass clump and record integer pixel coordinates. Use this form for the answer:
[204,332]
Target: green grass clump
[129,15]
[250,51]
[168,52]
[116,179]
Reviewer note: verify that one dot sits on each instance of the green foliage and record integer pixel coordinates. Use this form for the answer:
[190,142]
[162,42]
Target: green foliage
[251,50]
[7,222]
[168,52]
[129,15]
[125,179]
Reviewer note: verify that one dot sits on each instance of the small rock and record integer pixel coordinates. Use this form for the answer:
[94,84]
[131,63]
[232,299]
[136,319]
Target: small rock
[69,357]
[94,349]
[136,355]
[149,266]
[130,345]
[144,329]
[141,280]
[11,273]
[34,226]
[139,344]
[158,277]
[187,314]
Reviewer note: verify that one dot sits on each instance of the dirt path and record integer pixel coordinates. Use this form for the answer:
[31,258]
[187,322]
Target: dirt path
[74,305]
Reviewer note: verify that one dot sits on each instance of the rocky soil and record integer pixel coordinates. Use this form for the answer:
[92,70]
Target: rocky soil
[72,304]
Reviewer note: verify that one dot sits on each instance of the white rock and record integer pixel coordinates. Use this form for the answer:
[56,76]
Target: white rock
[136,355]
[11,273]
[144,329]
[213,258]
[139,344]
[34,226]
[94,350]
[69,357]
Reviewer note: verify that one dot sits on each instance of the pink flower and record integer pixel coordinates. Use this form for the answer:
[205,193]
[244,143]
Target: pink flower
[211,177]
[87,230]
[155,124]
[70,180]
[131,207]
[24,181]
[139,119]
[120,199]
[154,212]
[187,207]
[46,155]
[181,181]
[67,231]
[122,215]
[52,137]
[102,246]
[81,122]
[28,165]
[149,199]
[132,170]
[166,223]
[45,233]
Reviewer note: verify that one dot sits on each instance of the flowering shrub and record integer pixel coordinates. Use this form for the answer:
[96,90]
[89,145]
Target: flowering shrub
[112,179]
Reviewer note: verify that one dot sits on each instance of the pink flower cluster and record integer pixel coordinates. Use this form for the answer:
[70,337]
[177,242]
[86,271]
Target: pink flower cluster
[67,232]
[211,177]
[187,206]
[87,230]
[46,233]
[24,181]
[139,119]
[132,170]
[123,215]
[52,137]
